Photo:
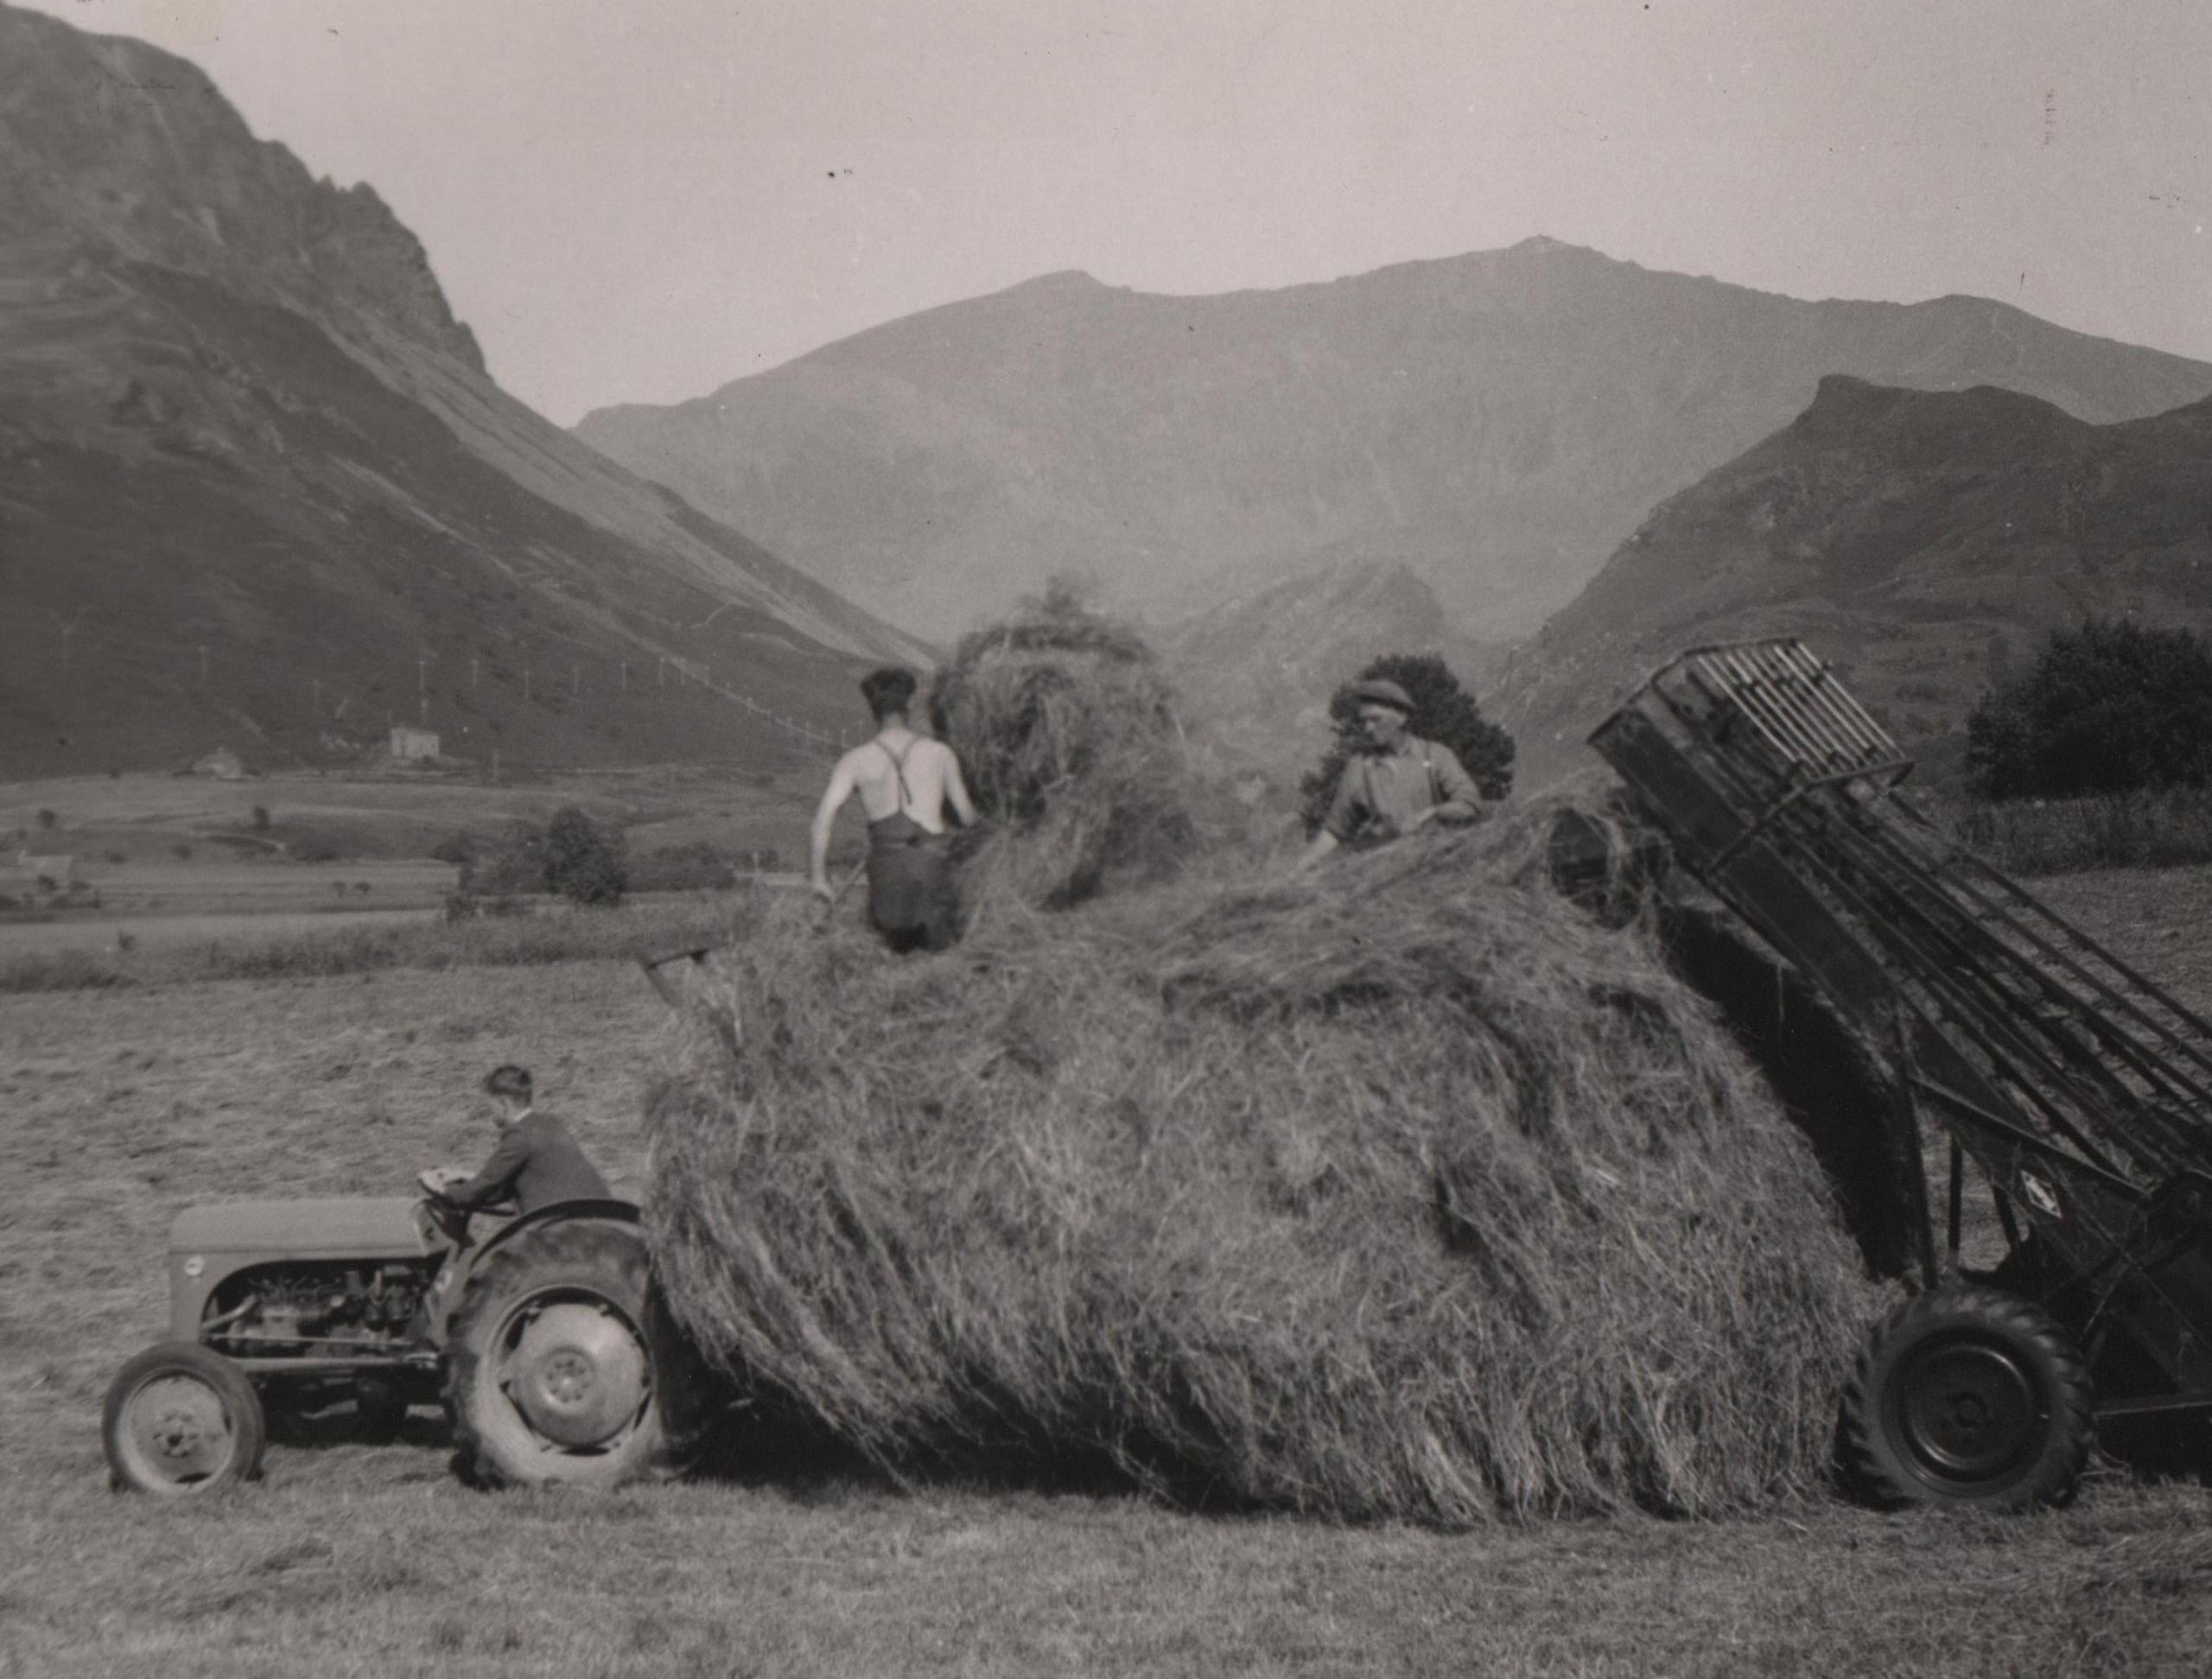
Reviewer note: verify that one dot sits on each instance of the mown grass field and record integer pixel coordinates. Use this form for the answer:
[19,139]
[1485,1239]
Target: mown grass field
[392,814]
[119,1106]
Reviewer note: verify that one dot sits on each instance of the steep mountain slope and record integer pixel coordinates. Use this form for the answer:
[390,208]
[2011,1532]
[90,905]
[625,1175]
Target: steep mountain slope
[1498,423]
[255,488]
[1255,673]
[1925,542]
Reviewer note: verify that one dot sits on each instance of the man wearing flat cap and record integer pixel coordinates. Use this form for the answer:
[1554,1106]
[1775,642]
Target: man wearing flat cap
[1397,782]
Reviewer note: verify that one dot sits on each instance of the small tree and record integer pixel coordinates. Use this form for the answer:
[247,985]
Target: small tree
[1443,711]
[584,862]
[2109,707]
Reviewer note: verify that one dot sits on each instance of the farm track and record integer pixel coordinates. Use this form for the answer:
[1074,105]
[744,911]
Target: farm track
[117,1108]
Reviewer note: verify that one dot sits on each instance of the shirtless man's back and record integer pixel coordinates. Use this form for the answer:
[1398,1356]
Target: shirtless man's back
[900,770]
[905,782]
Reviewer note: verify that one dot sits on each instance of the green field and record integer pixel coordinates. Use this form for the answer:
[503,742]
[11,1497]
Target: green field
[119,1106]
[106,821]
[106,865]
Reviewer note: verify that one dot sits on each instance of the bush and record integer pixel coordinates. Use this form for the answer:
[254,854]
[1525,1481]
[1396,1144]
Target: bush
[584,862]
[1444,712]
[48,820]
[694,867]
[2110,707]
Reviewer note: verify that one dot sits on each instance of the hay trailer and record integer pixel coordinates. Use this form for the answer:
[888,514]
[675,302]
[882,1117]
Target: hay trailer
[2081,1089]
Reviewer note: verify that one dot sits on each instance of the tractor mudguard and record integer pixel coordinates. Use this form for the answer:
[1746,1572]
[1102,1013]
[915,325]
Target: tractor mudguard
[455,1283]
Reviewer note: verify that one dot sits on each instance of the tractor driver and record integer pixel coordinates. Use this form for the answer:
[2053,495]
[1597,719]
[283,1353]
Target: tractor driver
[1396,782]
[535,1163]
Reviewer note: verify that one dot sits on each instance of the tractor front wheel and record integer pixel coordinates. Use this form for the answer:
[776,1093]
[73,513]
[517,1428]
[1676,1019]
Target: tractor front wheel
[1967,1396]
[548,1374]
[180,1417]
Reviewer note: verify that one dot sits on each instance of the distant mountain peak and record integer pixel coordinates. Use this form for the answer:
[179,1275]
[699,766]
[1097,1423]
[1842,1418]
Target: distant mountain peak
[1918,538]
[1499,421]
[1543,245]
[120,146]
[1933,424]
[253,474]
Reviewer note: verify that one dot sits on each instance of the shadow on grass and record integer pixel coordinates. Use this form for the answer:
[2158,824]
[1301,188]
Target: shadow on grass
[340,1422]
[756,1447]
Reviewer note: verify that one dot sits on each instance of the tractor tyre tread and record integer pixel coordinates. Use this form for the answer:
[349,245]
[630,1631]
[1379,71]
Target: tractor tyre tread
[1876,1466]
[596,1254]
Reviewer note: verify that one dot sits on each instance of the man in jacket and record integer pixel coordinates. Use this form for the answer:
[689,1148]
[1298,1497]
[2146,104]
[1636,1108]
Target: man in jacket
[535,1163]
[1397,782]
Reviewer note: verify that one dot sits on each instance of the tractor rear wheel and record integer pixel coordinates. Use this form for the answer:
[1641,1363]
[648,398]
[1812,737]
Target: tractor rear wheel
[1967,1396]
[179,1418]
[548,1374]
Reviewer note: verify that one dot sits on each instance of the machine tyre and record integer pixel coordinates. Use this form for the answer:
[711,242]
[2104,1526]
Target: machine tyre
[181,1418]
[1966,1397]
[549,1373]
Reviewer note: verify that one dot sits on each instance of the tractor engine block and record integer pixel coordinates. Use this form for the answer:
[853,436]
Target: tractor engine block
[311,1309]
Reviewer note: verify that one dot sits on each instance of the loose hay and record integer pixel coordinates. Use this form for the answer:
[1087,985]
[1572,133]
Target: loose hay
[1403,1190]
[1068,740]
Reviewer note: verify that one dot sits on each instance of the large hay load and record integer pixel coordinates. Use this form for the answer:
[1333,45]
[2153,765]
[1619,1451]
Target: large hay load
[1400,1190]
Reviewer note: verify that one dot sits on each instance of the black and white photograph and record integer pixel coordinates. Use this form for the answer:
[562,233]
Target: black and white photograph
[1105,837]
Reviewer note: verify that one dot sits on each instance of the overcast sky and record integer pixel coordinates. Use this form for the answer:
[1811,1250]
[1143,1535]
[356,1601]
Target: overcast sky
[640,199]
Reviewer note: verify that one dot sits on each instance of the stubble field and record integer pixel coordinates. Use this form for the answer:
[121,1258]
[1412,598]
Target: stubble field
[118,1107]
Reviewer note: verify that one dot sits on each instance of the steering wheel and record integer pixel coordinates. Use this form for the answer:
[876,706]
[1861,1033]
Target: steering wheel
[437,1179]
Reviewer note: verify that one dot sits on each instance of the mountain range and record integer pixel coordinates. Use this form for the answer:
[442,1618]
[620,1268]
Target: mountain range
[1497,424]
[1922,542]
[256,488]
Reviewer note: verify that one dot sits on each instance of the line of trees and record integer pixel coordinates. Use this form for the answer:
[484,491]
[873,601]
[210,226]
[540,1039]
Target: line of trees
[2109,707]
